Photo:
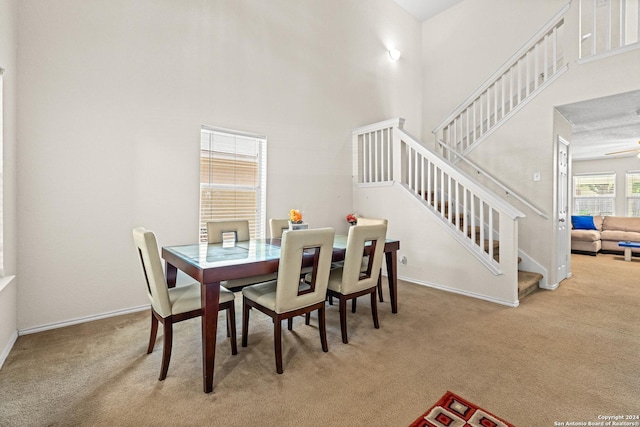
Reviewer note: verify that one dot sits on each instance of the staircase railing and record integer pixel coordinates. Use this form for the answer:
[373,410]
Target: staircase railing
[532,68]
[475,216]
[507,191]
[373,152]
[608,27]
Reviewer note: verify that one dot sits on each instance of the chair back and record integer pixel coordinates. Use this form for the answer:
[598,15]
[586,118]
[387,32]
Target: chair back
[216,230]
[354,277]
[371,221]
[277,226]
[291,292]
[157,289]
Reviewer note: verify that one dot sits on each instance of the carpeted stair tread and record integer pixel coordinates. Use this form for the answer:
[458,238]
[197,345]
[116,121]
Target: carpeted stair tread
[527,282]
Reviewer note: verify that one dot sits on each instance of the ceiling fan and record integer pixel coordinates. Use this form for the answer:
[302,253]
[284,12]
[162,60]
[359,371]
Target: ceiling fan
[635,150]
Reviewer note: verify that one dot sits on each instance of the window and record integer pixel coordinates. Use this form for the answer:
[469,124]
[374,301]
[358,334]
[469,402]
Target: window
[1,181]
[594,194]
[232,178]
[633,193]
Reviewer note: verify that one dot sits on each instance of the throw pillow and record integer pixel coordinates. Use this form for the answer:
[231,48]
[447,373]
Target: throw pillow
[582,222]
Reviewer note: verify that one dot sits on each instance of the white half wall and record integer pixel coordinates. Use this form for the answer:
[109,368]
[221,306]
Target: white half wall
[433,257]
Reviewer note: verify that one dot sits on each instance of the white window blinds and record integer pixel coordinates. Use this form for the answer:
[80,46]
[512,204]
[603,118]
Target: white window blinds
[633,193]
[232,178]
[594,194]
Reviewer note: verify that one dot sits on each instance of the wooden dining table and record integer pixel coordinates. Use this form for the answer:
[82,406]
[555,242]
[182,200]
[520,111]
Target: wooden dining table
[212,263]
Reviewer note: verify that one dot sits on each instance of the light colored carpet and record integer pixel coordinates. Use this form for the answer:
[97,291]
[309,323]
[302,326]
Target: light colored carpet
[565,355]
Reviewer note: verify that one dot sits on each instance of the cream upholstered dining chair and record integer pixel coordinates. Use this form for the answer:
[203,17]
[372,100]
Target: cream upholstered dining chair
[277,226]
[350,281]
[216,230]
[172,305]
[289,295]
[365,260]
[239,228]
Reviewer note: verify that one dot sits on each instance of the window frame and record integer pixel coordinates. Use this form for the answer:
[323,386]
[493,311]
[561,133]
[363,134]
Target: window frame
[630,198]
[223,137]
[611,197]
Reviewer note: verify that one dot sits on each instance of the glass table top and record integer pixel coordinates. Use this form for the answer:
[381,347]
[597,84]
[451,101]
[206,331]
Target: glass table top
[207,255]
[211,255]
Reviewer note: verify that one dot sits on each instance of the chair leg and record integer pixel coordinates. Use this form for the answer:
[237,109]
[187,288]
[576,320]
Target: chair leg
[343,319]
[323,329]
[290,323]
[231,327]
[154,332]
[245,321]
[277,343]
[353,305]
[307,318]
[374,309]
[380,286]
[166,350]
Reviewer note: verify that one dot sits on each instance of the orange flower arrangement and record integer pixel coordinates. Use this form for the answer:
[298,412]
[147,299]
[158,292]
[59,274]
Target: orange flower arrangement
[295,216]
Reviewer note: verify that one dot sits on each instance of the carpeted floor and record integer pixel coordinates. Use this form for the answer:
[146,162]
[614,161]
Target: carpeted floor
[565,355]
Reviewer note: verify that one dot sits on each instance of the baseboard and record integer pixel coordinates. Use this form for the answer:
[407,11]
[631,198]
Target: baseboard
[554,286]
[7,348]
[82,320]
[459,292]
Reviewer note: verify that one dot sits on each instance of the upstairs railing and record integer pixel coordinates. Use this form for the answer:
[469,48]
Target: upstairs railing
[539,62]
[478,218]
[608,27]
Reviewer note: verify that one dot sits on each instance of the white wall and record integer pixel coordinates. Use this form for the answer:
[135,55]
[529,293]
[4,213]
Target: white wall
[620,166]
[464,45]
[8,62]
[112,95]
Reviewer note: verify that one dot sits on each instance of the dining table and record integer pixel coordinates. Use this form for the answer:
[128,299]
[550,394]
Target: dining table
[213,263]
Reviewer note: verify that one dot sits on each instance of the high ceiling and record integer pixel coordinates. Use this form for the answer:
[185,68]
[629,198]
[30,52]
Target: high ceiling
[425,9]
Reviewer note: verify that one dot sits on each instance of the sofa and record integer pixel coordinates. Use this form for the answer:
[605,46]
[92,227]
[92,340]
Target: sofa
[593,234]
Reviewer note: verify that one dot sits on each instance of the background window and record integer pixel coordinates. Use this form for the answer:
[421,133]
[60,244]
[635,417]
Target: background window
[594,194]
[1,181]
[232,179]
[633,193]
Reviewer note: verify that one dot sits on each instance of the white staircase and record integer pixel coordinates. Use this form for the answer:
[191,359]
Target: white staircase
[389,162]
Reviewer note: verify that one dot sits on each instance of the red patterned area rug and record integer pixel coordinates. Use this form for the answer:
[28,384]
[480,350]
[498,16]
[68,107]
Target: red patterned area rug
[453,411]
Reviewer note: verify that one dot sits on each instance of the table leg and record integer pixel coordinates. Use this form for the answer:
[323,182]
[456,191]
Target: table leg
[171,273]
[392,274]
[210,295]
[627,254]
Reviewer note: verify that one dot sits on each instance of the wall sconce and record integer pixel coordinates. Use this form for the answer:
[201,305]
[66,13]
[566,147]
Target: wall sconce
[394,54]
